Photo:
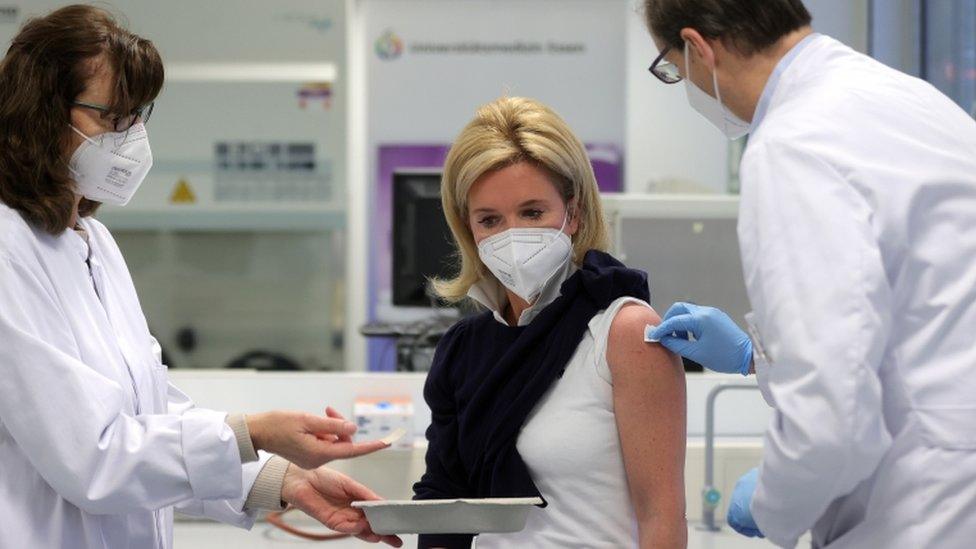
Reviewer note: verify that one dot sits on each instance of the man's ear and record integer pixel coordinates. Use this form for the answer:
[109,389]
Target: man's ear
[701,49]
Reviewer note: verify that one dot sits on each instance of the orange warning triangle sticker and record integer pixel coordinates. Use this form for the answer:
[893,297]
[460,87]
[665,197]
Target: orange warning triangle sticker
[182,193]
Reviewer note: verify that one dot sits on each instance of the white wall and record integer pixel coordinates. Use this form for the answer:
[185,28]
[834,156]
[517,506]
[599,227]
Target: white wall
[428,98]
[668,143]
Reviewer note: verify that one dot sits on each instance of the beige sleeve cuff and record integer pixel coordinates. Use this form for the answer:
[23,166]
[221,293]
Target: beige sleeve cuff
[238,423]
[266,492]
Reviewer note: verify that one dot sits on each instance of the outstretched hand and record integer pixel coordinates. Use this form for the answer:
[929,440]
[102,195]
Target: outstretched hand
[326,496]
[308,440]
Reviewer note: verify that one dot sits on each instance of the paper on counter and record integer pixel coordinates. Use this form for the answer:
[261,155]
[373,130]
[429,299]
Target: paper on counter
[396,435]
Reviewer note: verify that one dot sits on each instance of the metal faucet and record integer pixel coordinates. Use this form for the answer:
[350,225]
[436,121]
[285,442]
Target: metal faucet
[711,495]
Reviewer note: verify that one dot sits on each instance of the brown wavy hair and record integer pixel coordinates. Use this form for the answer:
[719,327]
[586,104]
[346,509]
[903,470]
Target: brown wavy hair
[45,69]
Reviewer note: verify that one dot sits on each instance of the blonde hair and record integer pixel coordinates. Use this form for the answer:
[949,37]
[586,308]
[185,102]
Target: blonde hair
[505,132]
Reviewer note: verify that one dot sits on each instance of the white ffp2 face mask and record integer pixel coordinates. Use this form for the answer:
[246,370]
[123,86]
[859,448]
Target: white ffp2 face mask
[525,259]
[711,107]
[110,167]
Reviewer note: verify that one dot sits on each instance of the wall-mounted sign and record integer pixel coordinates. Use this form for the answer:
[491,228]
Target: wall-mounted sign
[261,171]
[9,14]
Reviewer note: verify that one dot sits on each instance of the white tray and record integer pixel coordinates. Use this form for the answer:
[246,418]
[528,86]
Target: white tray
[448,516]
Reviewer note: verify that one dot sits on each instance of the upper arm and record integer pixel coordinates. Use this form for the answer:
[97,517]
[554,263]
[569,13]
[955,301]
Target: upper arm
[649,407]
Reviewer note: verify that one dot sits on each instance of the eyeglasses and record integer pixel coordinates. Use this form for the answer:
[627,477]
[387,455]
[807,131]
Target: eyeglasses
[121,123]
[665,71]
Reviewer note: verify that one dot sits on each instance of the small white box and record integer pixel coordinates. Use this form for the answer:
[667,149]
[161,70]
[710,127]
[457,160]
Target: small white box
[377,418]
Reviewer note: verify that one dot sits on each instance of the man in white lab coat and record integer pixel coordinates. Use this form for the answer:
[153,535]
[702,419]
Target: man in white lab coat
[858,233]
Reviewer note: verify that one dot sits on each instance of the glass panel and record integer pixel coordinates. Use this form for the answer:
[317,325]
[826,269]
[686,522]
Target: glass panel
[236,241]
[212,297]
[896,34]
[950,49]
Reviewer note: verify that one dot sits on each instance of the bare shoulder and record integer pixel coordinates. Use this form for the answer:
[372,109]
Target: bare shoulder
[633,317]
[626,348]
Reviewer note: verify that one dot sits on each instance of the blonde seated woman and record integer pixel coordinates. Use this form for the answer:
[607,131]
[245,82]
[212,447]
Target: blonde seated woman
[552,391]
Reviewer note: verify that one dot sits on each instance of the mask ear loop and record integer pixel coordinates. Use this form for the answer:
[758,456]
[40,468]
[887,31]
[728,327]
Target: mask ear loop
[563,226]
[718,96]
[688,65]
[83,136]
[86,138]
[551,240]
[718,92]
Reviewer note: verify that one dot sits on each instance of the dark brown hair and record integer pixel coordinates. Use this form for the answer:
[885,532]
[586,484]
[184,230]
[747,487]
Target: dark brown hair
[45,69]
[749,25]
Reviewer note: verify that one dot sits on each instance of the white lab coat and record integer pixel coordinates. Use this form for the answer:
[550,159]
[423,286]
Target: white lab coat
[858,236]
[96,448]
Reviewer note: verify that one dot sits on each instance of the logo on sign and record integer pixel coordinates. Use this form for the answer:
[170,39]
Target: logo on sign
[389,46]
[319,23]
[315,92]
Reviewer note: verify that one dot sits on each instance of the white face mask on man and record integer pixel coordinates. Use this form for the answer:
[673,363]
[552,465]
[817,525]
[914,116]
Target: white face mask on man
[711,107]
[111,166]
[525,259]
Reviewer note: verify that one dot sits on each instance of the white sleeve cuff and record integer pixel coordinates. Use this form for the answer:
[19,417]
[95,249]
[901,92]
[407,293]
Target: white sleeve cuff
[771,536]
[213,462]
[759,359]
[762,378]
[230,511]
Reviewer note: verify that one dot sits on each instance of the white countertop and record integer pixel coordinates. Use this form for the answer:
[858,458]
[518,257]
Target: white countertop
[203,535]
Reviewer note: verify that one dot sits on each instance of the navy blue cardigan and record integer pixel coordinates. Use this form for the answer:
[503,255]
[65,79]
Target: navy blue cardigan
[487,377]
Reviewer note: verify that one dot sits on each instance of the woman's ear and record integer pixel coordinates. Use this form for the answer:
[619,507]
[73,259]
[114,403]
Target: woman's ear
[572,216]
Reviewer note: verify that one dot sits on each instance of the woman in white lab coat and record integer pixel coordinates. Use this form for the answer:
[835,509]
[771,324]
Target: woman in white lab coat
[858,232]
[96,447]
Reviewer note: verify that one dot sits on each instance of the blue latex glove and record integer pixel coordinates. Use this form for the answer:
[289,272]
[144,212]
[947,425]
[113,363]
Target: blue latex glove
[719,344]
[740,515]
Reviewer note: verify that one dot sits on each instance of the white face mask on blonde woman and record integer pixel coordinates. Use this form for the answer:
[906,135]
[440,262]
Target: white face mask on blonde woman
[522,226]
[525,259]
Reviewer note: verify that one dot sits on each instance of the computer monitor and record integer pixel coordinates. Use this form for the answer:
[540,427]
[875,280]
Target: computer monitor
[422,243]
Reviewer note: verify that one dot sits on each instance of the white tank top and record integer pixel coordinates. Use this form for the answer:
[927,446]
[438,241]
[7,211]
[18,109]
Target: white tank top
[572,449]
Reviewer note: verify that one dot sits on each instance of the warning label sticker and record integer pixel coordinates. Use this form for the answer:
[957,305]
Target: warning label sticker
[183,193]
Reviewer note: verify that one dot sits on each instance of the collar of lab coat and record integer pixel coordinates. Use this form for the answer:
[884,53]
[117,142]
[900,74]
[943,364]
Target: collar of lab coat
[770,89]
[80,243]
[490,293]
